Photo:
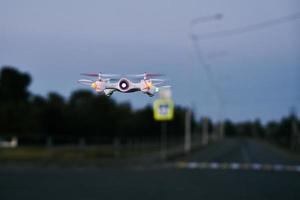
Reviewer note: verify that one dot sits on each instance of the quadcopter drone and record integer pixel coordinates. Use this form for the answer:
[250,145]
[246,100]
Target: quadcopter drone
[109,83]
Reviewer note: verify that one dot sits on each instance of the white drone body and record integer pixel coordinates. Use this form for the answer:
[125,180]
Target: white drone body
[110,83]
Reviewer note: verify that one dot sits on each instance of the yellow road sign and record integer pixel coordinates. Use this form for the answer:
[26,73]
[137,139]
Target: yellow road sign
[163,109]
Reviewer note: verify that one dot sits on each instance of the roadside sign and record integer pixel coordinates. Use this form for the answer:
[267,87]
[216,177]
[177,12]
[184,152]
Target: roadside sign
[163,109]
[165,93]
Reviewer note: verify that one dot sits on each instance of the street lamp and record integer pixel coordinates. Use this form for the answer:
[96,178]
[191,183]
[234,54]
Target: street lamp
[202,61]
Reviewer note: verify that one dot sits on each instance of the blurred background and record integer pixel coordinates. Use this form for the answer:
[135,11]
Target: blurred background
[234,71]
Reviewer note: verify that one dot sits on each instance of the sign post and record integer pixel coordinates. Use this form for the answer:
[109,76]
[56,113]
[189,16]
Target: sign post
[163,112]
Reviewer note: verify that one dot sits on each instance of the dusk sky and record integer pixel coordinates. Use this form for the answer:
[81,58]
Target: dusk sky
[257,72]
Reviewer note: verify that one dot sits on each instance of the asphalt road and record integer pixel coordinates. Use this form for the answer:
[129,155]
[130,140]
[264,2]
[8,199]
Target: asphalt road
[162,182]
[244,151]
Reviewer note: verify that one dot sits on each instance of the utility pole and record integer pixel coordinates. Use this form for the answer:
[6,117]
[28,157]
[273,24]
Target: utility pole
[163,140]
[221,129]
[295,131]
[207,67]
[204,131]
[187,134]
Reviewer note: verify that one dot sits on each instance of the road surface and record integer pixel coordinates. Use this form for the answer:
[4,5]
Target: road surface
[180,179]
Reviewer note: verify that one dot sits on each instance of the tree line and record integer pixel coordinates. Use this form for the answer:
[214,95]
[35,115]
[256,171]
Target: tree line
[83,114]
[86,114]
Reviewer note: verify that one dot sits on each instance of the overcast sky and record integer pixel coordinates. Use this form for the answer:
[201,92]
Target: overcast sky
[257,72]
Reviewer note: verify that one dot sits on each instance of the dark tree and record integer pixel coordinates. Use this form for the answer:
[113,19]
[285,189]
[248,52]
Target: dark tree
[52,117]
[14,108]
[86,114]
[14,85]
[230,129]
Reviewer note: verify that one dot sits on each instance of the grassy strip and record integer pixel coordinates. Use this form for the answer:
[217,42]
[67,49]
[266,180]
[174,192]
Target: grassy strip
[70,153]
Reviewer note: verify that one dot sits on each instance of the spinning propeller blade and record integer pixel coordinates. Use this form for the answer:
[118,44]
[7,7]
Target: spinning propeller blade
[158,80]
[145,75]
[100,75]
[166,86]
[157,84]
[154,75]
[85,82]
[109,75]
[90,74]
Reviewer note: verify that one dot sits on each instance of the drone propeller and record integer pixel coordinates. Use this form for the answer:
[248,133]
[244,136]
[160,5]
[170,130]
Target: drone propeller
[100,75]
[157,84]
[90,74]
[158,80]
[145,75]
[154,74]
[166,86]
[85,82]
[109,75]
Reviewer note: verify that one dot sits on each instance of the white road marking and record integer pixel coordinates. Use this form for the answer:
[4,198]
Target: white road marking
[237,166]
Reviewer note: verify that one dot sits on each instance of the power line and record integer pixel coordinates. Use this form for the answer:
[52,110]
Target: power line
[206,65]
[201,59]
[249,28]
